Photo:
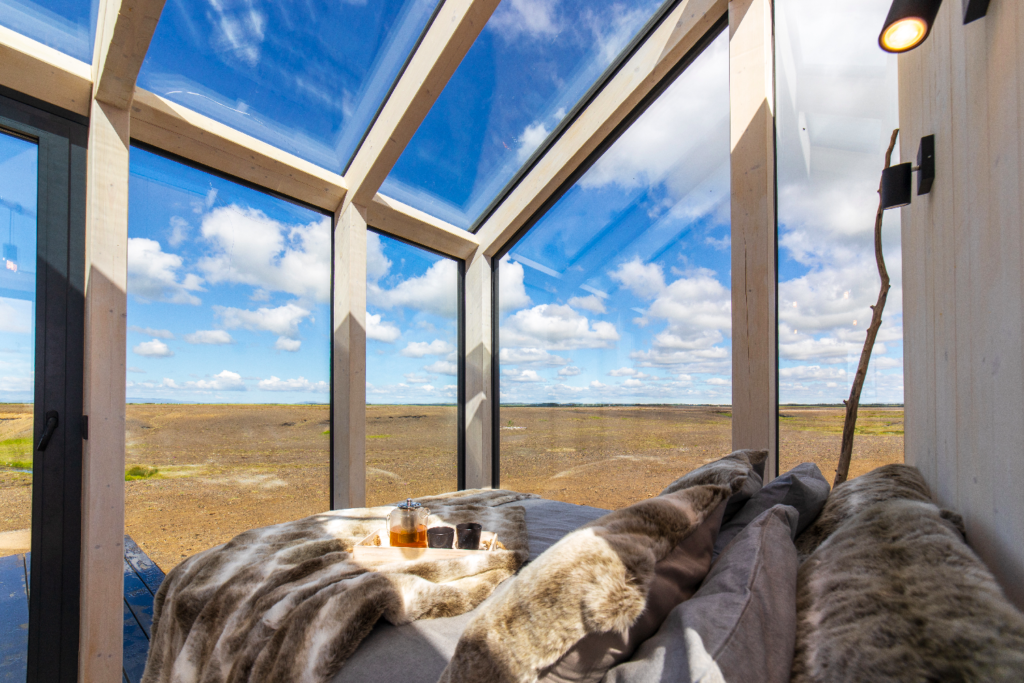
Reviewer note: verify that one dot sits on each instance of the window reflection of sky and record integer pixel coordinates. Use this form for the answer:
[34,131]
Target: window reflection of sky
[65,25]
[620,294]
[306,77]
[19,165]
[836,108]
[530,66]
[411,326]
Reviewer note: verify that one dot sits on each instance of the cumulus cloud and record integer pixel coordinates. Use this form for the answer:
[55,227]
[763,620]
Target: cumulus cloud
[413,378]
[282,320]
[557,327]
[381,330]
[434,292]
[153,349]
[514,375]
[529,356]
[592,303]
[254,249]
[530,139]
[286,344]
[511,286]
[646,280]
[438,347]
[150,332]
[297,384]
[443,367]
[569,371]
[534,19]
[154,274]
[214,337]
[222,381]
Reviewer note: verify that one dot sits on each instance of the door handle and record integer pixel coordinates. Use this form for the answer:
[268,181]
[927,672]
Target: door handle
[52,420]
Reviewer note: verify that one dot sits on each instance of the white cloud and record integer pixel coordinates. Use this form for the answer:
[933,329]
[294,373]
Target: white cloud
[239,30]
[435,291]
[15,316]
[443,367]
[531,18]
[592,303]
[381,330]
[511,288]
[722,244]
[153,274]
[812,372]
[150,332]
[438,347]
[153,349]
[530,139]
[286,344]
[377,264]
[529,356]
[214,337]
[137,370]
[514,375]
[253,249]
[556,327]
[718,382]
[298,384]
[632,383]
[179,231]
[222,381]
[597,385]
[282,320]
[570,371]
[623,372]
[413,378]
[646,280]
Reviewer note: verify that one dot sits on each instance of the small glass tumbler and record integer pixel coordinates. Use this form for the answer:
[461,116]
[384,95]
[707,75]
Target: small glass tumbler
[469,536]
[440,537]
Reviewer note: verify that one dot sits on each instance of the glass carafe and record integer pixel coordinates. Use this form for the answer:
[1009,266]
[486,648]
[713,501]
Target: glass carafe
[407,525]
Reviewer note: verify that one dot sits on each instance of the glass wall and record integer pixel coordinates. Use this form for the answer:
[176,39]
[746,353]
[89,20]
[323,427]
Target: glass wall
[228,360]
[65,25]
[837,105]
[615,310]
[411,371]
[19,161]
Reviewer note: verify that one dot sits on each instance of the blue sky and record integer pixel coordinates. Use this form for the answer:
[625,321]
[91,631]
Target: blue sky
[65,25]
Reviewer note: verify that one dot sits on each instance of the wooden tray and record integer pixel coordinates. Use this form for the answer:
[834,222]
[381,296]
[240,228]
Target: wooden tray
[377,548]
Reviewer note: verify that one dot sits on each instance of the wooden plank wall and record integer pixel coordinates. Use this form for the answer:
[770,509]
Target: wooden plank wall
[963,278]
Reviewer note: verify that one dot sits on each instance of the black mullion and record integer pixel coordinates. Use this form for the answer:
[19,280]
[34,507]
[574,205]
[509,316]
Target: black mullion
[460,396]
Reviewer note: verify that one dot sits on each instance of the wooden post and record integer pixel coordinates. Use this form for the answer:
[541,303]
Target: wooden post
[479,392]
[754,269]
[348,429]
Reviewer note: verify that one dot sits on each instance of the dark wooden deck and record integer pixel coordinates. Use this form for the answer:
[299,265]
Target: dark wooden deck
[142,578]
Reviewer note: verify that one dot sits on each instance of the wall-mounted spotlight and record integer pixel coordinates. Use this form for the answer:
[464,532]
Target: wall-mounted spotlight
[974,9]
[896,183]
[908,24]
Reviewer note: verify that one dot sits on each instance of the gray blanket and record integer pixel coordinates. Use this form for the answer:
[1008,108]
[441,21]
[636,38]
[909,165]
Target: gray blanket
[289,603]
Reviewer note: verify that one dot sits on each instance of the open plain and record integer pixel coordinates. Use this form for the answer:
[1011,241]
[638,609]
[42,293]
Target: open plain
[222,469]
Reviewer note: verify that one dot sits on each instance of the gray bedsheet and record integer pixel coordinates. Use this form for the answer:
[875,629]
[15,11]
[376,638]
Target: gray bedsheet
[418,652]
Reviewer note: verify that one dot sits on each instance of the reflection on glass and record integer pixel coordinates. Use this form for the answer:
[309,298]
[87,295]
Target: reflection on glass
[837,105]
[228,360]
[19,163]
[530,66]
[65,25]
[411,371]
[307,77]
[615,310]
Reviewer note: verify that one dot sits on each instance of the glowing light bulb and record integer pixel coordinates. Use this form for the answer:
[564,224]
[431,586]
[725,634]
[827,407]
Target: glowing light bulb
[904,34]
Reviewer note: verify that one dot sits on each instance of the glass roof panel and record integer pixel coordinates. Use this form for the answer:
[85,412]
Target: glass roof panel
[65,25]
[531,65]
[307,77]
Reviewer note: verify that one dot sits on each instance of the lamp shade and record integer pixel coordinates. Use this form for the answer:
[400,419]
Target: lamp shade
[908,24]
[896,186]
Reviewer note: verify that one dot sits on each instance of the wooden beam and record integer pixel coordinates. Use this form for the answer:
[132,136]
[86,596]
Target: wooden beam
[106,309]
[451,34]
[126,31]
[754,281]
[39,71]
[395,218]
[181,131]
[348,407]
[479,357]
[678,33]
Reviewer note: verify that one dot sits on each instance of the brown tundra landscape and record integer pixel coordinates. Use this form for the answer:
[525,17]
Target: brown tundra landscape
[201,474]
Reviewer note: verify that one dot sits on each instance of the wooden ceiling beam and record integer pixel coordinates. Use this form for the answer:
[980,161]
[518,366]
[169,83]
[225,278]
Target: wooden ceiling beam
[125,31]
[46,74]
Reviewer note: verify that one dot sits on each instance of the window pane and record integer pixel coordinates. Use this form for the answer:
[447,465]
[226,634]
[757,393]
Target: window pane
[411,371]
[19,164]
[228,360]
[837,107]
[530,66]
[65,25]
[615,310]
[306,77]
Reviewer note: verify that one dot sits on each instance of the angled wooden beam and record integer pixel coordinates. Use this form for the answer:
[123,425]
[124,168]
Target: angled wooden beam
[395,218]
[451,34]
[181,131]
[126,30]
[677,34]
[39,71]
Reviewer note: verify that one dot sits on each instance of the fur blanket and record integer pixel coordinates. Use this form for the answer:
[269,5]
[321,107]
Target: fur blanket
[289,603]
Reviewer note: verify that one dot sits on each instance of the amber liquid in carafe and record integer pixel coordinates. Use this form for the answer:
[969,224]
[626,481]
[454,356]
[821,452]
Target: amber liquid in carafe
[403,538]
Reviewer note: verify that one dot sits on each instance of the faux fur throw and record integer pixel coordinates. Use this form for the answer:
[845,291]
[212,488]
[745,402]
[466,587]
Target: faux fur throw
[289,603]
[894,595]
[594,580]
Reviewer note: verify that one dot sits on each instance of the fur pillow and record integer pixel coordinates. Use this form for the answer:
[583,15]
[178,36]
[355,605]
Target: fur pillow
[594,580]
[733,471]
[896,595]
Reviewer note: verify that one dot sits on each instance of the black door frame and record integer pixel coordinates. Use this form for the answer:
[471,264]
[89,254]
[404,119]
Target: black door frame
[54,584]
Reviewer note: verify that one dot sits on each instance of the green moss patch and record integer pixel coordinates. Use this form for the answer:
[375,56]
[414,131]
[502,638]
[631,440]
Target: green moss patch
[140,472]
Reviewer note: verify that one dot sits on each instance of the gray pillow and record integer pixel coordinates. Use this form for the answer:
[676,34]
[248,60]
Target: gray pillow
[803,488]
[740,625]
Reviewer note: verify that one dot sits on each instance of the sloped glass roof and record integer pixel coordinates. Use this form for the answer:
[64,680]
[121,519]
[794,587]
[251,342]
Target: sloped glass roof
[307,77]
[529,68]
[65,25]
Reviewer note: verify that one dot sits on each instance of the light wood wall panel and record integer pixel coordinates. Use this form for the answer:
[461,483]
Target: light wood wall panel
[963,283]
